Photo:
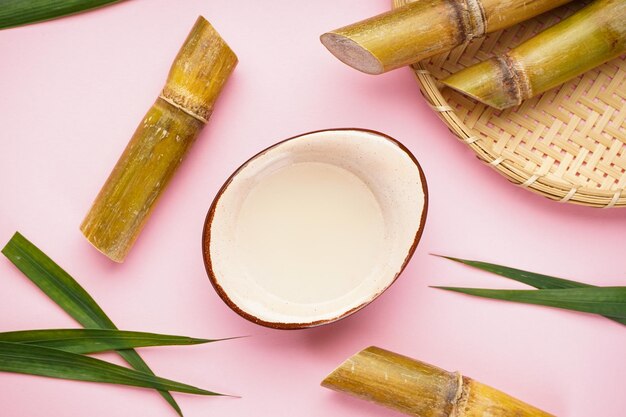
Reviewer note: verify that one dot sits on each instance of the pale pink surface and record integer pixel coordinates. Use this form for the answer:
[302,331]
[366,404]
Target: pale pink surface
[72,93]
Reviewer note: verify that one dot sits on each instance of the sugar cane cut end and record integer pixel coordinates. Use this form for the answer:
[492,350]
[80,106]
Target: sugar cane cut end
[115,254]
[352,53]
[327,382]
[493,82]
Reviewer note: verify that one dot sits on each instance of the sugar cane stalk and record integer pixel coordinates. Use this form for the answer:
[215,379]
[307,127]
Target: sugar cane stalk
[155,151]
[421,390]
[592,36]
[425,28]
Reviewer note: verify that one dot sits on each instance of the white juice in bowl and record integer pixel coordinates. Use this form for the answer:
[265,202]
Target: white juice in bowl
[310,231]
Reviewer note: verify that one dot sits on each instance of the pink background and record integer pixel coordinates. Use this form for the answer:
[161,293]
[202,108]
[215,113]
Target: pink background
[72,92]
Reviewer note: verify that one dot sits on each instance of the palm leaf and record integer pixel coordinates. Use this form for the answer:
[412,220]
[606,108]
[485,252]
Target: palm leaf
[607,301]
[529,278]
[85,341]
[22,12]
[70,296]
[54,363]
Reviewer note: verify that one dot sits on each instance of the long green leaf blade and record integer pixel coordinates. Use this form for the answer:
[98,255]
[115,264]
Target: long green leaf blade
[85,341]
[22,12]
[56,283]
[70,296]
[529,278]
[533,279]
[54,363]
[607,301]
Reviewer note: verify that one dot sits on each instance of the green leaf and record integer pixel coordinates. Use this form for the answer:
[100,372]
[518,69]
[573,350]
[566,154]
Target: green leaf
[607,301]
[529,278]
[69,295]
[54,363]
[22,12]
[85,341]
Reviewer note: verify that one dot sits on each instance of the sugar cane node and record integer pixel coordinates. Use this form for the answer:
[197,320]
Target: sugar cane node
[184,109]
[159,144]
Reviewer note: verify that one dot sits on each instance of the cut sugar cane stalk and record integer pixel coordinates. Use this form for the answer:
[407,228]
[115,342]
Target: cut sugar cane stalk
[159,144]
[425,28]
[421,390]
[592,36]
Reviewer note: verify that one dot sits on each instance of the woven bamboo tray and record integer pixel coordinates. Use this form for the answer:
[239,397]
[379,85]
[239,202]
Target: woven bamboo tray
[569,144]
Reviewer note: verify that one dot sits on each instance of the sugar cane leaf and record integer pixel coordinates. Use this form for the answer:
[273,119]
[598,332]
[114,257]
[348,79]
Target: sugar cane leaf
[84,341]
[54,363]
[70,296]
[533,279]
[56,283]
[607,301]
[529,278]
[22,12]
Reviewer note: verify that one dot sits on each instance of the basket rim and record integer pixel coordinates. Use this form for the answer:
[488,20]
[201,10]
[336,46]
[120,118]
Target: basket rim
[541,184]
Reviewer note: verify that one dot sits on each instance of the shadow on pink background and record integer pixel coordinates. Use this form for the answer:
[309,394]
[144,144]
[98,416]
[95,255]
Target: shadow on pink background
[72,93]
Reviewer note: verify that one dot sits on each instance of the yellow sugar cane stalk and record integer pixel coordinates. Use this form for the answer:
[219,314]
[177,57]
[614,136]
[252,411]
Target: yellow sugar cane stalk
[159,144]
[424,28]
[421,390]
[592,36]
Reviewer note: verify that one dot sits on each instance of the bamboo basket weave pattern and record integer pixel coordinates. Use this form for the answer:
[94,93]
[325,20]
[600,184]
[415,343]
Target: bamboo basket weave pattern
[568,144]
